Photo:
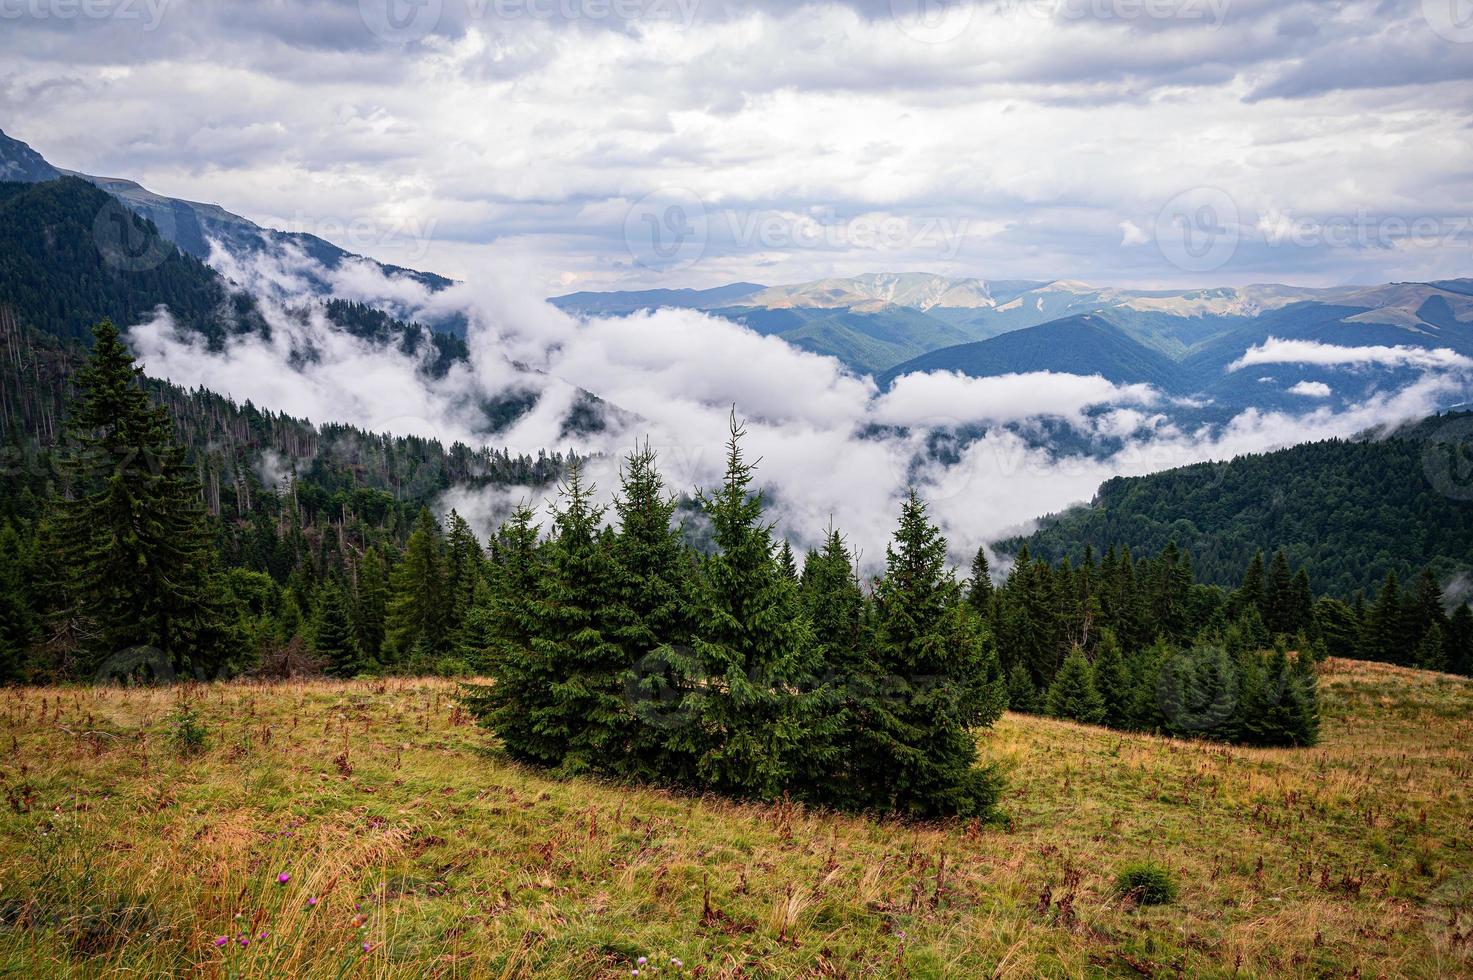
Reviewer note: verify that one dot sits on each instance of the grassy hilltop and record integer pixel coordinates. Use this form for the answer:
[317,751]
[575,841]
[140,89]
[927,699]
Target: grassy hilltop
[410,848]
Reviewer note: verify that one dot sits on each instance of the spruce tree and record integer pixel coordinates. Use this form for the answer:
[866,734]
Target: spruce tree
[503,632]
[1460,641]
[418,608]
[1022,695]
[1385,636]
[979,586]
[1112,680]
[787,562]
[370,606]
[938,682]
[836,608]
[332,635]
[135,550]
[463,567]
[1072,694]
[1278,613]
[587,711]
[655,587]
[1253,593]
[747,707]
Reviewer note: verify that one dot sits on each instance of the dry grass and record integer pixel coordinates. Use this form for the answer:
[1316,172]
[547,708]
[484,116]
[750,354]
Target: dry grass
[118,856]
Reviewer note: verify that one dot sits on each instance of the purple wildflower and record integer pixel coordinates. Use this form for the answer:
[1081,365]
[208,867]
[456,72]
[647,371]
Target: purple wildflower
[221,941]
[283,878]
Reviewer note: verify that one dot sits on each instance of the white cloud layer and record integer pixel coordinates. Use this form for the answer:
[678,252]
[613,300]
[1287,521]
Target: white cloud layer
[830,445]
[1278,351]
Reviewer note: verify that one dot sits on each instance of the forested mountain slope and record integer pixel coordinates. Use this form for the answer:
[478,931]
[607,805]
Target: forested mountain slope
[1348,511]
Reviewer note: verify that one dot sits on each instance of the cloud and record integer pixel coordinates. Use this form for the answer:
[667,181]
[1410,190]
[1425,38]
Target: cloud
[1310,389]
[1277,351]
[1132,234]
[829,446]
[817,113]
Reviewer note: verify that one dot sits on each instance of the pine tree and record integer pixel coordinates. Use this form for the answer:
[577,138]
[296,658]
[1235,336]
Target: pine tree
[746,681]
[787,562]
[835,606]
[1253,593]
[332,635]
[503,632]
[979,586]
[587,712]
[1460,641]
[655,586]
[18,613]
[132,537]
[1301,602]
[419,604]
[1278,614]
[1385,637]
[1022,695]
[1112,680]
[1073,695]
[464,562]
[370,606]
[939,682]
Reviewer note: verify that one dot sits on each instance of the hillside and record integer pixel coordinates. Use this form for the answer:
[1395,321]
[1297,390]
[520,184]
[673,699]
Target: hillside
[1075,345]
[1349,511]
[408,840]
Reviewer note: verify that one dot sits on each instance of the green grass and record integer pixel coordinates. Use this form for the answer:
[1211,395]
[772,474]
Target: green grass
[120,855]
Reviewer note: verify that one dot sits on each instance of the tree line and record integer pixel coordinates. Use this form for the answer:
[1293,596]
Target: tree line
[616,646]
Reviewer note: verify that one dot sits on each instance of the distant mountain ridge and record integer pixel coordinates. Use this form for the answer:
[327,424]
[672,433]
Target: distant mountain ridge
[1180,341]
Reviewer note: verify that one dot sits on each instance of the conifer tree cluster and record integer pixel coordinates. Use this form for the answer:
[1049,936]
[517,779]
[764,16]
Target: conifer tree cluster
[1138,644]
[617,649]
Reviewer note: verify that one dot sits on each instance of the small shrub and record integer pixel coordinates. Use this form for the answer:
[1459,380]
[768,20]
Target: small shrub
[186,732]
[1148,884]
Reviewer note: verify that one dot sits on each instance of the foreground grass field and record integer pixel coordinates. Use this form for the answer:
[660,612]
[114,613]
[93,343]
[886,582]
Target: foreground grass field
[368,830]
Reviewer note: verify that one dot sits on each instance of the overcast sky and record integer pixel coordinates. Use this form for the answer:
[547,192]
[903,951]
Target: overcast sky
[630,143]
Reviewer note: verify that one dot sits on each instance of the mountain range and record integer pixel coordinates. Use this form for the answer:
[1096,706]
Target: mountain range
[1181,341]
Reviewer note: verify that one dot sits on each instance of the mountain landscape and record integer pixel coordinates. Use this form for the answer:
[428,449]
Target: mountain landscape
[1180,342]
[795,610]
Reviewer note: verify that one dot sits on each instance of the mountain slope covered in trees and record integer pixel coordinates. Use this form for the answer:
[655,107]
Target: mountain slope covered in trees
[1349,511]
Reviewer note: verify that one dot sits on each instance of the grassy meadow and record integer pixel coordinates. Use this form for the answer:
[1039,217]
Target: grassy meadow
[367,829]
